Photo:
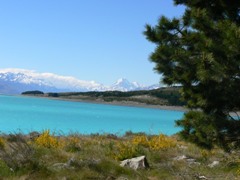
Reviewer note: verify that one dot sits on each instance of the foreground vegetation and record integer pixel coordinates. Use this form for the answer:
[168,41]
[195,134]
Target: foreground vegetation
[47,156]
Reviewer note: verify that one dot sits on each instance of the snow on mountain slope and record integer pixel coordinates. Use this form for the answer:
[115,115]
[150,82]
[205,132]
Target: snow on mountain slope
[123,84]
[62,83]
[15,81]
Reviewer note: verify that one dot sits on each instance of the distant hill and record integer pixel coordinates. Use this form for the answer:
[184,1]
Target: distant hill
[33,93]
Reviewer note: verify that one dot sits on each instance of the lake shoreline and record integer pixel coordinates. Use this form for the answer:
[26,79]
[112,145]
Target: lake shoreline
[132,104]
[118,103]
[127,104]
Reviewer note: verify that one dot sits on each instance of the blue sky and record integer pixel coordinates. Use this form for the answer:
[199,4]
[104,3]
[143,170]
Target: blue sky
[99,40]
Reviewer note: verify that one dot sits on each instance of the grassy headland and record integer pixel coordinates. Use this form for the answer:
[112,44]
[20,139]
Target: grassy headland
[166,98]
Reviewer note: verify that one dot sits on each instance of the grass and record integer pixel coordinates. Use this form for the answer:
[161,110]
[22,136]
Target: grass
[77,156]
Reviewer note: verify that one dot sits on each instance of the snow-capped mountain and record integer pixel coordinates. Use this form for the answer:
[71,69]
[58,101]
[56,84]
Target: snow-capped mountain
[123,84]
[16,81]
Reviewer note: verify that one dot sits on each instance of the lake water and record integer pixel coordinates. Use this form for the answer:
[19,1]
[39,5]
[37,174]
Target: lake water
[26,114]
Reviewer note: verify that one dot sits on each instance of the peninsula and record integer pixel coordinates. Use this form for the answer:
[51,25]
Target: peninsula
[162,98]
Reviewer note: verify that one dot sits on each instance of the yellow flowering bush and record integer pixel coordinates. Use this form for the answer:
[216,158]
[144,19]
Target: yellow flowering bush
[154,143]
[47,140]
[125,150]
[161,142]
[2,143]
[131,148]
[140,140]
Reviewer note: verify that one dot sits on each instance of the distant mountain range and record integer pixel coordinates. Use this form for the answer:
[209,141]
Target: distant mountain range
[16,81]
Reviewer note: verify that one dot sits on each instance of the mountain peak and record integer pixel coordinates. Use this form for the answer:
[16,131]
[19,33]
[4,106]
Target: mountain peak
[122,81]
[123,84]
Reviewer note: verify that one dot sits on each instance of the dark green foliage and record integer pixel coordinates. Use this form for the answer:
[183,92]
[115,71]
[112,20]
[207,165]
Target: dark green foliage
[52,94]
[169,96]
[32,93]
[201,52]
[194,131]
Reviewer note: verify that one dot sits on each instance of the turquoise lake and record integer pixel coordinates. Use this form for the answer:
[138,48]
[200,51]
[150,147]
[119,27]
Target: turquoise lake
[26,114]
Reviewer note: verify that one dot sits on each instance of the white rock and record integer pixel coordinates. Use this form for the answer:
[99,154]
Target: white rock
[202,177]
[60,166]
[135,163]
[190,161]
[178,158]
[182,146]
[213,164]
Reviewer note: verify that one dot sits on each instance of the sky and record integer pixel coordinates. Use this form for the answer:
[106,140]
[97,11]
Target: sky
[100,40]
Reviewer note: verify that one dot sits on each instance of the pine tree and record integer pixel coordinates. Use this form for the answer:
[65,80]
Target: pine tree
[200,51]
